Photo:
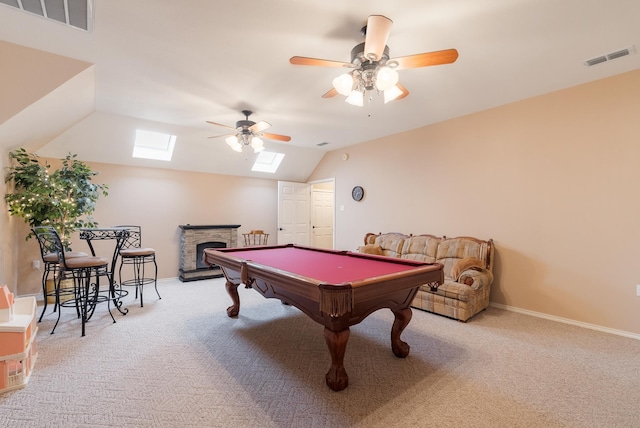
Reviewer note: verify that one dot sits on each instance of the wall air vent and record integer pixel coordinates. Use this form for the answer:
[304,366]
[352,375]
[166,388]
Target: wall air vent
[74,13]
[618,54]
[594,61]
[610,56]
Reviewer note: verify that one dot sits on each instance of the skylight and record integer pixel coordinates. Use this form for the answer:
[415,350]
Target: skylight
[153,145]
[267,162]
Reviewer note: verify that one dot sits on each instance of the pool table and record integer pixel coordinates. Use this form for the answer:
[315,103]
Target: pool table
[334,288]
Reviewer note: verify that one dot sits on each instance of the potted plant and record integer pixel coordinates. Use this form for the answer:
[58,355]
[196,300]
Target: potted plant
[63,198]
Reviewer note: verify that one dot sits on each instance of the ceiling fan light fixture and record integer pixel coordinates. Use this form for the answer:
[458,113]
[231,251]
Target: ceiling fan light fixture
[248,133]
[343,84]
[355,98]
[245,138]
[386,78]
[392,93]
[373,70]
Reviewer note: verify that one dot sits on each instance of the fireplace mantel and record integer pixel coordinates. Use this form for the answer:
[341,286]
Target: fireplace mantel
[208,226]
[193,237]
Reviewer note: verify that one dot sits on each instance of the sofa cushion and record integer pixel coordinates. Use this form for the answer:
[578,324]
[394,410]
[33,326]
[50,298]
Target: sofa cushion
[371,249]
[422,248]
[391,243]
[463,264]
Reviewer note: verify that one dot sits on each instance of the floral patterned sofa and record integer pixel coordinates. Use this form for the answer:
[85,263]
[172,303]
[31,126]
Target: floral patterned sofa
[468,265]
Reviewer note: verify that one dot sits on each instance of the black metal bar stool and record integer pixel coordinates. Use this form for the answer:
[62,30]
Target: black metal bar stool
[86,295]
[132,253]
[51,266]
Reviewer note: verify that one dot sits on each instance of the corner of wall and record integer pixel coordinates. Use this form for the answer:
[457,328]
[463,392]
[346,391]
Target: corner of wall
[7,243]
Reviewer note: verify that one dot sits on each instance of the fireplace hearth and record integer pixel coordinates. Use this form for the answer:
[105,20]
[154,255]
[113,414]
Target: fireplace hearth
[193,241]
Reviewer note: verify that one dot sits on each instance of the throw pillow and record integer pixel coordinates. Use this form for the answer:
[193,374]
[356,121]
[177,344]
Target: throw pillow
[371,249]
[464,264]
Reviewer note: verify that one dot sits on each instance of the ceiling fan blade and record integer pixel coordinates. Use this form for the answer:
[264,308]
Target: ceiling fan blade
[219,124]
[330,93]
[425,59]
[404,92]
[218,136]
[378,29]
[257,127]
[276,137]
[303,60]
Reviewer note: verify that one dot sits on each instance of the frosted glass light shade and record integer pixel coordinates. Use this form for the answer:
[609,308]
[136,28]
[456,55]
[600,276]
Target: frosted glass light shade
[343,84]
[386,78]
[257,144]
[392,93]
[356,98]
[232,141]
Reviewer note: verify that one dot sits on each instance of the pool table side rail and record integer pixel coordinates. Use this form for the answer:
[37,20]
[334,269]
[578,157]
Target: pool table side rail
[335,300]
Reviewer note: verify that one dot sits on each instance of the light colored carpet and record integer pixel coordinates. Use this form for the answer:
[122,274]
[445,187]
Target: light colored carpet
[181,362]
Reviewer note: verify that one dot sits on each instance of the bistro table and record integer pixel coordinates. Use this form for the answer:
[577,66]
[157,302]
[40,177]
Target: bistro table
[119,234]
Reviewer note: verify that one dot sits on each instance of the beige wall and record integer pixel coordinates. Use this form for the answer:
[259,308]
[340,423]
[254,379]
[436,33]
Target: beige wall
[159,200]
[7,236]
[552,179]
[30,74]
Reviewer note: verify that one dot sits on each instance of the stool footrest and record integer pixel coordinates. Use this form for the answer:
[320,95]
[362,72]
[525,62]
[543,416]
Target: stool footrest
[134,282]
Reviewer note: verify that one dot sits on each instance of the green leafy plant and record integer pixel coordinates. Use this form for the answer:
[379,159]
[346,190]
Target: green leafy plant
[64,198]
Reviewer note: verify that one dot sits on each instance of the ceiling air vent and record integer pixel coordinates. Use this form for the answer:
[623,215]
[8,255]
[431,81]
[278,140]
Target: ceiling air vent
[324,143]
[610,56]
[74,13]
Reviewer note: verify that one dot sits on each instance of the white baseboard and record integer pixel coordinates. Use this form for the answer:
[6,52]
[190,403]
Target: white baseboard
[567,321]
[38,296]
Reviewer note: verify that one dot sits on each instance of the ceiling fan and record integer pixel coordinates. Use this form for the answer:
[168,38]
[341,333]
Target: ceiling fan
[248,133]
[371,66]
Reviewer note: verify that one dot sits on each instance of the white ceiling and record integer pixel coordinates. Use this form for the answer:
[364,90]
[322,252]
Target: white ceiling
[172,65]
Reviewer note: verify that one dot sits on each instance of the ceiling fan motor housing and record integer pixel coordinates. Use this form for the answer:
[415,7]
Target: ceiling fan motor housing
[358,57]
[244,124]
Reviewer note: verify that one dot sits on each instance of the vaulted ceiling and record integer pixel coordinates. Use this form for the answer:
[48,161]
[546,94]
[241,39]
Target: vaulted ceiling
[171,66]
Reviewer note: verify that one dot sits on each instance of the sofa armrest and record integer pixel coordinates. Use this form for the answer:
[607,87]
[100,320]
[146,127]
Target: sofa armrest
[476,279]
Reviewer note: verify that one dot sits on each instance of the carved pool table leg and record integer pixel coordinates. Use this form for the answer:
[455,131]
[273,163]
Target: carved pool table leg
[232,289]
[400,348]
[336,377]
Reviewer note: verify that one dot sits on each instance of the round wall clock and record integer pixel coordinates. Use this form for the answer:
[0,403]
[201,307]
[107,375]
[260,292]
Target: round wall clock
[357,193]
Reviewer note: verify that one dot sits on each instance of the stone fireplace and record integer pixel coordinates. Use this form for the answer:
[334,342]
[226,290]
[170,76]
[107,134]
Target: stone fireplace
[194,239]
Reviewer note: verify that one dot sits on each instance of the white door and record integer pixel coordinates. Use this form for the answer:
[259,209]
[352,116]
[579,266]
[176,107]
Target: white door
[293,213]
[322,218]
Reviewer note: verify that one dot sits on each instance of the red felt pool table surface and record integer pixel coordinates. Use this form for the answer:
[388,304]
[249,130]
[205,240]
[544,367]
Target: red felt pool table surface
[325,267]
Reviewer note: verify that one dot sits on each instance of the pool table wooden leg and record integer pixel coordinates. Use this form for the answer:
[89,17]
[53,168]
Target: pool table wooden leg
[232,289]
[400,348]
[336,377]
